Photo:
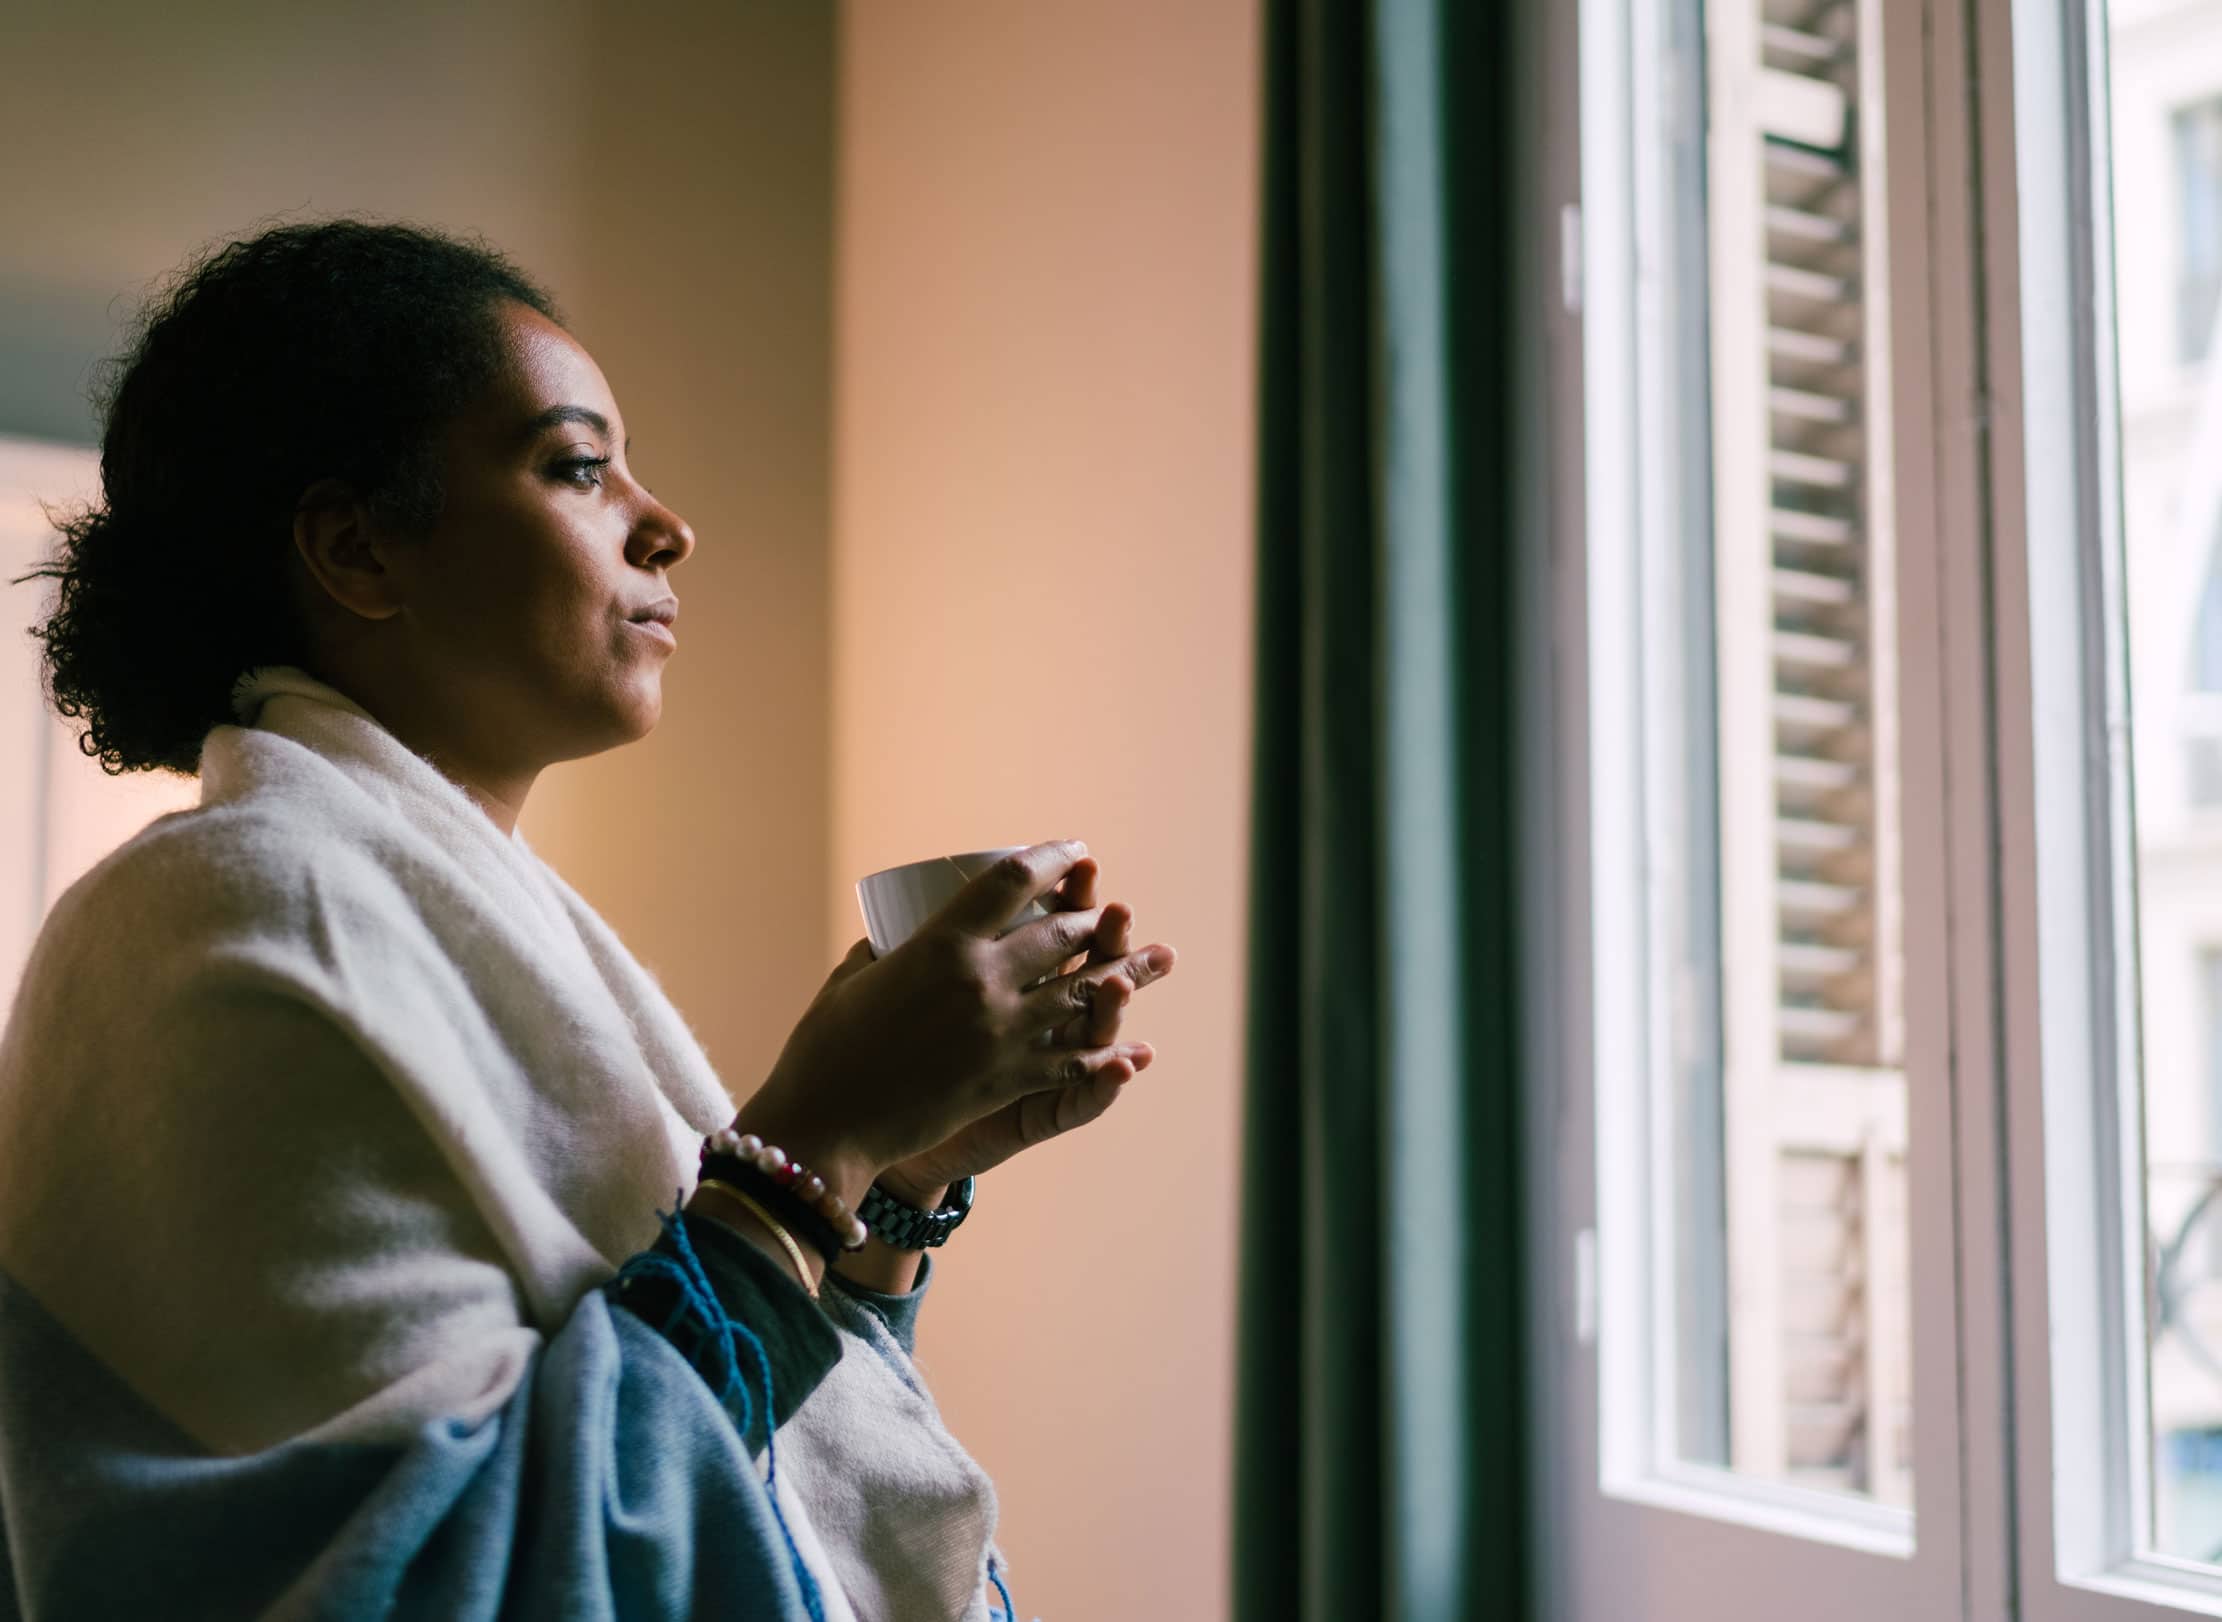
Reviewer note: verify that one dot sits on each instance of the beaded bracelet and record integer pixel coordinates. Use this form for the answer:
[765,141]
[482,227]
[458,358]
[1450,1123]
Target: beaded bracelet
[746,1159]
[743,1176]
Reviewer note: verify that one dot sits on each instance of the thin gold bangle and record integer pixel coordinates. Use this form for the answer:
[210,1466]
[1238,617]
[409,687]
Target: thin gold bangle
[779,1232]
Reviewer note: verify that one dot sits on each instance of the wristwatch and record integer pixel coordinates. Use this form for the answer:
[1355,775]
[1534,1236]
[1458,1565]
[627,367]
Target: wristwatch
[908,1228]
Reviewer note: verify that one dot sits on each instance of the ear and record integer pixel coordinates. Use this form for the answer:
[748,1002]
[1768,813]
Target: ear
[335,539]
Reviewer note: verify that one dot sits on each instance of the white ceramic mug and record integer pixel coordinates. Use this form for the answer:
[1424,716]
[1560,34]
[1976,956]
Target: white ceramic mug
[897,900]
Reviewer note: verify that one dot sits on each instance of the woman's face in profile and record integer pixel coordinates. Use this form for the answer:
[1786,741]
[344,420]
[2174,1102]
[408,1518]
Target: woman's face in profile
[526,601]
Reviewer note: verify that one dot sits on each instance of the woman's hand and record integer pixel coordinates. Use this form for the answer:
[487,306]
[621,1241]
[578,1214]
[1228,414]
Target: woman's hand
[899,1055]
[1118,973]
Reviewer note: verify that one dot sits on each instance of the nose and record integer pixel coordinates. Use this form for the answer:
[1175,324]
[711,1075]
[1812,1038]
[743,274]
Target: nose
[660,536]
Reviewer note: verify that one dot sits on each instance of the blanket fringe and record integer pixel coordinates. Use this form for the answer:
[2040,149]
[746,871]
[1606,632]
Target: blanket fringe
[725,1338]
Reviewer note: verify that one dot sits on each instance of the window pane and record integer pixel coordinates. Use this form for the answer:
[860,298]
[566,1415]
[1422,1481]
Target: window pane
[2198,177]
[2164,123]
[1769,728]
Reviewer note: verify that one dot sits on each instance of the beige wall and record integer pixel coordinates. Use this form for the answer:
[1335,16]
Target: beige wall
[668,170]
[1042,630]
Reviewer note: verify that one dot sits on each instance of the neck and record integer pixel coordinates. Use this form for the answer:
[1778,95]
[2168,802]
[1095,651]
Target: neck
[427,727]
[502,807]
[496,789]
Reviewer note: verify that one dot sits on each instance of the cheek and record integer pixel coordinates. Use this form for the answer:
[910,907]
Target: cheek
[541,590]
[570,616]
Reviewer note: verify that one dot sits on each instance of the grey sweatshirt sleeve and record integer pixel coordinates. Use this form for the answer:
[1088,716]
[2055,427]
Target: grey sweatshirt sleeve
[898,1312]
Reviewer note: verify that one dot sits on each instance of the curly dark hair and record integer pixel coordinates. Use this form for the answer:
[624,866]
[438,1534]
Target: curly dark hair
[333,349]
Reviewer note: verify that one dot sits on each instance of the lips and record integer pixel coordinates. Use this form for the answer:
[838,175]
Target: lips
[657,619]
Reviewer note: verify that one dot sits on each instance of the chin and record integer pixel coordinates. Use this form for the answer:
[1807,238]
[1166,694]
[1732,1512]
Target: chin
[616,716]
[641,708]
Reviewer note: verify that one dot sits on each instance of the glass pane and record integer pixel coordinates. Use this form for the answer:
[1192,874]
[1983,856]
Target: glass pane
[1769,681]
[2164,122]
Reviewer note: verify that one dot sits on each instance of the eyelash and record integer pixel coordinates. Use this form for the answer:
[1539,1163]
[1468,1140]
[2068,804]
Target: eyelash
[569,467]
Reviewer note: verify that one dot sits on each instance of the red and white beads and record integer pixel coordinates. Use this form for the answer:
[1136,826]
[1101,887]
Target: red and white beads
[791,1175]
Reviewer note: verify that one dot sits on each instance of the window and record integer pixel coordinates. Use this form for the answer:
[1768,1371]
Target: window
[1890,1108]
[2124,514]
[1753,1106]
[1768,701]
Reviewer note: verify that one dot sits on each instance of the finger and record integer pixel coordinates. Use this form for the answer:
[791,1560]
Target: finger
[1099,1095]
[1036,952]
[1109,1013]
[1057,1002]
[1050,1115]
[1103,1025]
[1078,892]
[988,903]
[1097,1023]
[1062,1013]
[1114,935]
[1040,1116]
[1079,1067]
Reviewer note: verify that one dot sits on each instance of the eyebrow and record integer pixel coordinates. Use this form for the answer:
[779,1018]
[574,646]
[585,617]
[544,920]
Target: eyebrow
[556,416]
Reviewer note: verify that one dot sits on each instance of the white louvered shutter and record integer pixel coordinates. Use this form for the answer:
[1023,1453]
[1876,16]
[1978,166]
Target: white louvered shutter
[1814,1094]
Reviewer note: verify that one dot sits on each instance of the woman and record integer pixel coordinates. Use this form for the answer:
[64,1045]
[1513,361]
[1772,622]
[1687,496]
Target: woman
[335,1128]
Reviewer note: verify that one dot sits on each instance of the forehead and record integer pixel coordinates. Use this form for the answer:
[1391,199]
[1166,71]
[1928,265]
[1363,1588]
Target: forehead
[545,366]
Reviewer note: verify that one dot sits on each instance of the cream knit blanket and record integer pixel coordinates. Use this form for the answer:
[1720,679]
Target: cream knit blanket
[325,1102]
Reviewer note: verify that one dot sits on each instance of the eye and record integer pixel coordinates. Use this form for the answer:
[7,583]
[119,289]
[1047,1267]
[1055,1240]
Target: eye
[582,472]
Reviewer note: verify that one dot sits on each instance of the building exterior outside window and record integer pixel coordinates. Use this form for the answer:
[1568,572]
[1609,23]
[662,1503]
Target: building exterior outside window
[2198,143]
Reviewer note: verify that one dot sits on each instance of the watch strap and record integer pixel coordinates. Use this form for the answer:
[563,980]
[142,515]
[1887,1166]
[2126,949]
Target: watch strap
[908,1228]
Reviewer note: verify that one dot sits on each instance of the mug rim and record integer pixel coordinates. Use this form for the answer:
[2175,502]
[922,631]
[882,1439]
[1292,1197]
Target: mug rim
[995,854]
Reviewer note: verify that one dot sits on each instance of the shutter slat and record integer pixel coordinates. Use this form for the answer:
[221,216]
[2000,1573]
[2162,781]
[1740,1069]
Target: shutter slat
[1812,837]
[1810,529]
[1799,43]
[1812,960]
[1819,472]
[1808,224]
[1803,585]
[1816,349]
[1803,648]
[1810,772]
[1809,899]
[1818,1025]
[1810,405]
[1809,286]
